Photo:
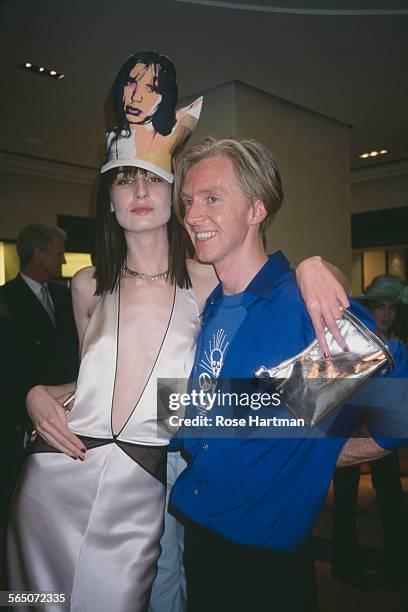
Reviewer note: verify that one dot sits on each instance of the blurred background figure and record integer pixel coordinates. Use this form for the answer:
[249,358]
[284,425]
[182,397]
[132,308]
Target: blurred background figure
[386,298]
[39,341]
[401,321]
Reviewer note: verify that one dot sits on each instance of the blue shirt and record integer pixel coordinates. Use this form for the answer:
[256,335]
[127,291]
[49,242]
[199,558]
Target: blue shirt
[264,492]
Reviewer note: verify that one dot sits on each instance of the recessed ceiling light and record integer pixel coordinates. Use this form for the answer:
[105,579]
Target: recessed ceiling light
[373,153]
[37,69]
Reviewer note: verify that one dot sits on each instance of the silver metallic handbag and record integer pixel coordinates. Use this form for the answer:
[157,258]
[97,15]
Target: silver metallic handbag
[311,386]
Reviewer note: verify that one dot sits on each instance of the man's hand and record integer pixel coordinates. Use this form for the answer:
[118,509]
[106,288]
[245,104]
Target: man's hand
[360,450]
[323,295]
[50,421]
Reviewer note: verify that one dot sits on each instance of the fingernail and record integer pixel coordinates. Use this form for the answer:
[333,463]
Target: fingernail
[83,450]
[346,349]
[81,458]
[326,355]
[75,458]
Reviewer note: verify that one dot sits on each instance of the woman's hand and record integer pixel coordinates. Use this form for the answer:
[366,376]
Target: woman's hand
[50,421]
[323,295]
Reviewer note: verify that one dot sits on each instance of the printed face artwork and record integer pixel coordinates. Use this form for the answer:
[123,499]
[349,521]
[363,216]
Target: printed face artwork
[141,200]
[140,96]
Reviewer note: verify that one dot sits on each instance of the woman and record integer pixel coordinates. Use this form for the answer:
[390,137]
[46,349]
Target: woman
[91,528]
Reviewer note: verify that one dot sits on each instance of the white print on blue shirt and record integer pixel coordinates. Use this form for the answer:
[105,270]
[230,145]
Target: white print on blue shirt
[212,364]
[214,359]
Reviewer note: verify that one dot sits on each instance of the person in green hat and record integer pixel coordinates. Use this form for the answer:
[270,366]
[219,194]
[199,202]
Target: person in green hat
[385,298]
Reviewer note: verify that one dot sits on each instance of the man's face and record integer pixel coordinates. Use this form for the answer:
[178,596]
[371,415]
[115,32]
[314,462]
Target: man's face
[384,313]
[142,202]
[52,259]
[140,98]
[217,213]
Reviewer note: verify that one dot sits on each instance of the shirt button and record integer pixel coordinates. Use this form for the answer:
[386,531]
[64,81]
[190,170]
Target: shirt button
[205,446]
[196,492]
[37,342]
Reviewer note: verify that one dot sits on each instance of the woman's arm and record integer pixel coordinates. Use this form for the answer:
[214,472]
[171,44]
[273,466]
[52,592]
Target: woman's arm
[83,287]
[322,285]
[44,402]
[323,288]
[44,405]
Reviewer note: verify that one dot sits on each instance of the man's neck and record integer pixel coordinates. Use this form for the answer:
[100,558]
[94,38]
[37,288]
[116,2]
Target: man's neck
[35,275]
[237,270]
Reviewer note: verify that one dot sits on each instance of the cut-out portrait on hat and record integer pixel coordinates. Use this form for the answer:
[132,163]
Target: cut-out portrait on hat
[148,127]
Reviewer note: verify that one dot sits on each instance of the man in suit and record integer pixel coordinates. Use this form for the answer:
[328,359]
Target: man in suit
[39,339]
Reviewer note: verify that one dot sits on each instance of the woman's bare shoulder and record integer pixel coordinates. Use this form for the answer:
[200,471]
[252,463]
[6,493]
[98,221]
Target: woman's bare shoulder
[83,285]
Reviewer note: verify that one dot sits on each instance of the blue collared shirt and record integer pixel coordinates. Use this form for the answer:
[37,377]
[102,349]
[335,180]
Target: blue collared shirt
[264,492]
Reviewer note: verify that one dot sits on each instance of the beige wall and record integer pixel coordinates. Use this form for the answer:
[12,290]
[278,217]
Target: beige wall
[379,193]
[219,113]
[312,152]
[313,156]
[32,198]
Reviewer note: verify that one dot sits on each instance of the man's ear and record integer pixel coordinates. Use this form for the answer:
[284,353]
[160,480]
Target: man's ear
[37,253]
[258,212]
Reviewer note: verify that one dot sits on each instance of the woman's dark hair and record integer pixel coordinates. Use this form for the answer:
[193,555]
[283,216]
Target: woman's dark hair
[110,243]
[164,118]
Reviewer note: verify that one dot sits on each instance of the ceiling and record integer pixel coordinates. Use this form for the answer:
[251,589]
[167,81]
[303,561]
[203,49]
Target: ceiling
[345,59]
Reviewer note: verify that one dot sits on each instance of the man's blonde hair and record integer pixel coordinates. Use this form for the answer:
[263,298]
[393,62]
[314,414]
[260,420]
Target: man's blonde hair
[254,167]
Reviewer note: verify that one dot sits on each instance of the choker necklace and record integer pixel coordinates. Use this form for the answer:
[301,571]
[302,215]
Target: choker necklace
[143,276]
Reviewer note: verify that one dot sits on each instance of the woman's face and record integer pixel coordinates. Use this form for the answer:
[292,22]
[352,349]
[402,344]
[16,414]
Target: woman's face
[384,313]
[141,200]
[140,96]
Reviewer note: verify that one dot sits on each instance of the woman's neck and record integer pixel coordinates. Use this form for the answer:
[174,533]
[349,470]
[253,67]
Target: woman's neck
[148,252]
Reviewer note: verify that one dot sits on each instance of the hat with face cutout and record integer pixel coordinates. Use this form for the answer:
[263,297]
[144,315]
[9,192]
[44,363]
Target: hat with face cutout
[149,127]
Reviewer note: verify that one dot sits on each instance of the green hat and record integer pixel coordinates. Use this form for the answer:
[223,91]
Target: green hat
[403,296]
[384,287]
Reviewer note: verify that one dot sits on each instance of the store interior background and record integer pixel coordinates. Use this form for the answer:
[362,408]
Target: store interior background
[319,82]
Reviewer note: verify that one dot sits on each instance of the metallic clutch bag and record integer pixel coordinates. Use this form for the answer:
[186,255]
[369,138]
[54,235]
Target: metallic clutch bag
[311,386]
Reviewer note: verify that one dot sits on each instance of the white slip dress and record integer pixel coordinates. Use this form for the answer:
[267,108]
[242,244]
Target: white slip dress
[92,529]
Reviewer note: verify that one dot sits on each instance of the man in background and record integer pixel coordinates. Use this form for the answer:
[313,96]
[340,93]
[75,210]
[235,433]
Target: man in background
[39,343]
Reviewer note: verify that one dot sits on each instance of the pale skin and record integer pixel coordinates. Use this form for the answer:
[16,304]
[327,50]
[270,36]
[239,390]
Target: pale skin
[142,207]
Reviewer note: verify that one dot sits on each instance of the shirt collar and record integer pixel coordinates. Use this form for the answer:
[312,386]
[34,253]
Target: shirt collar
[33,284]
[263,281]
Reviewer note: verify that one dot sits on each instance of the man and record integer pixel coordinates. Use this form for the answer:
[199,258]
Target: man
[249,503]
[39,339]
